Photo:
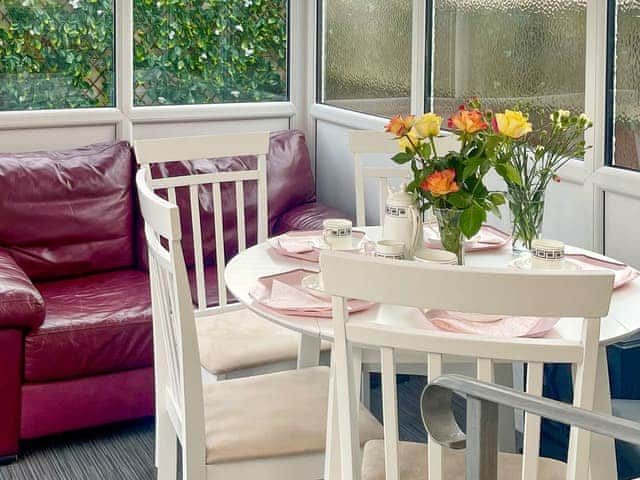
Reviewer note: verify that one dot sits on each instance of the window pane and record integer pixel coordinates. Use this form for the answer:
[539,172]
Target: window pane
[627,122]
[210,51]
[56,54]
[509,52]
[367,55]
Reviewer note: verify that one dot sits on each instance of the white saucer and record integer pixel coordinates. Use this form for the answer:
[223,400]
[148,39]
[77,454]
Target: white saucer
[524,263]
[356,244]
[430,255]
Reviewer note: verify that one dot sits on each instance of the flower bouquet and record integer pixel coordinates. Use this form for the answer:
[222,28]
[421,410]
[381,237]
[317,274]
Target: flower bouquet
[529,164]
[452,183]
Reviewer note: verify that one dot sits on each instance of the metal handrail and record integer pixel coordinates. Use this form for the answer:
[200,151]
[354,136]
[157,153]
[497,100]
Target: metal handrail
[482,419]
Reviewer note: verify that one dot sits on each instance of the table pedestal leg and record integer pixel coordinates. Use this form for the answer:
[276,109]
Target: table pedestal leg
[308,351]
[602,460]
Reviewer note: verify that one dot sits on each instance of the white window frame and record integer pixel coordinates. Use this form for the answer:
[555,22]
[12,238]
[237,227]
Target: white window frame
[125,115]
[595,177]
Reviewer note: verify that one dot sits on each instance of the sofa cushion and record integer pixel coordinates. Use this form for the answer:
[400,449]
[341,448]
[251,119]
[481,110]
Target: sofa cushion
[68,212]
[95,324]
[308,216]
[290,183]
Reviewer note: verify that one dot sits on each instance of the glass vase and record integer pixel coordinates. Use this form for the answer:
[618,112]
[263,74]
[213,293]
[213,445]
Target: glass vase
[527,213]
[451,236]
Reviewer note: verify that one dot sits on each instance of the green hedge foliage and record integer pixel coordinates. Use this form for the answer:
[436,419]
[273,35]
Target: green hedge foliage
[59,53]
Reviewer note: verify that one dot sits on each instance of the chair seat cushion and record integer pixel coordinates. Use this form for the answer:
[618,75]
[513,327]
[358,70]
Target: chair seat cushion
[272,415]
[94,324]
[413,463]
[240,339]
[308,216]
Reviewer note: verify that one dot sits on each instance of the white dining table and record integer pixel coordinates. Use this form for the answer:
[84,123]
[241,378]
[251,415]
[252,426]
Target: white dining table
[244,270]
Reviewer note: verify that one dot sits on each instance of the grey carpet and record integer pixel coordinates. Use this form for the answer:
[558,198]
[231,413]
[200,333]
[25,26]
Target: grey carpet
[125,451]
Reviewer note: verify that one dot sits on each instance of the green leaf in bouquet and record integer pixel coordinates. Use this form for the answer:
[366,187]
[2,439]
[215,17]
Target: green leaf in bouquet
[459,200]
[497,198]
[470,168]
[402,157]
[471,220]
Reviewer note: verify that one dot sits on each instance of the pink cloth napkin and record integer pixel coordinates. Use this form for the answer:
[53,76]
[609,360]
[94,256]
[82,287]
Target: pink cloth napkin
[506,327]
[302,245]
[284,293]
[488,238]
[623,273]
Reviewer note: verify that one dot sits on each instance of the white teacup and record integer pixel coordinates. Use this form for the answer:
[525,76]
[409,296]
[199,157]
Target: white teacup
[390,249]
[337,233]
[547,254]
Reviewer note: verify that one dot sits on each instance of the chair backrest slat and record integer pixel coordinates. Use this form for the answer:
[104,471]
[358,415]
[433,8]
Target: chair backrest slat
[390,413]
[435,452]
[531,445]
[158,151]
[365,143]
[219,234]
[242,236]
[194,203]
[583,294]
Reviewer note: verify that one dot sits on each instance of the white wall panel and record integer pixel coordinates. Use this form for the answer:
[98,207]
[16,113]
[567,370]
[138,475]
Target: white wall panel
[54,138]
[622,228]
[334,167]
[185,129]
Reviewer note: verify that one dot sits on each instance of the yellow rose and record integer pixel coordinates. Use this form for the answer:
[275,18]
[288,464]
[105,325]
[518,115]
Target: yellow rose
[409,141]
[428,125]
[512,124]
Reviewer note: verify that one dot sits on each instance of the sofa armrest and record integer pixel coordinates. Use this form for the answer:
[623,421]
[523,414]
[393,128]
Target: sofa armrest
[308,216]
[21,305]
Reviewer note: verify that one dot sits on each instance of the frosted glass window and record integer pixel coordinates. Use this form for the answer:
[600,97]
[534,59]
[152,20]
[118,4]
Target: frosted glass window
[627,119]
[367,55]
[508,52]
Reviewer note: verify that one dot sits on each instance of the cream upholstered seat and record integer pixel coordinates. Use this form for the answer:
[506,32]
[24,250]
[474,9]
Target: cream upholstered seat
[272,415]
[413,464]
[239,339]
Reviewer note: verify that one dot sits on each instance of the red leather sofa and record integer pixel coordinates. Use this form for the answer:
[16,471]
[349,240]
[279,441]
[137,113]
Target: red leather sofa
[75,317]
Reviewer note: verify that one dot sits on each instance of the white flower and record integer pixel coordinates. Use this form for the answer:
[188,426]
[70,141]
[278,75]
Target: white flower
[247,3]
[74,3]
[172,34]
[248,51]
[216,31]
[239,28]
[235,93]
[203,56]
[162,100]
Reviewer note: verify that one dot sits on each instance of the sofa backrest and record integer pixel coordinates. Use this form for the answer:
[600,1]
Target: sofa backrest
[290,183]
[70,212]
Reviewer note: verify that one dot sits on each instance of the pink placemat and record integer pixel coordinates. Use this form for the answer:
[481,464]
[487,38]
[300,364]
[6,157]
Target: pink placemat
[506,327]
[623,273]
[488,238]
[302,245]
[284,293]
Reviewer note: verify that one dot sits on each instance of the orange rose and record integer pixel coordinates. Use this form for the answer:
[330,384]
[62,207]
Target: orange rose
[441,183]
[468,121]
[399,125]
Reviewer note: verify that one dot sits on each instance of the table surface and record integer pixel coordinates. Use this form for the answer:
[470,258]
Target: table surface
[260,260]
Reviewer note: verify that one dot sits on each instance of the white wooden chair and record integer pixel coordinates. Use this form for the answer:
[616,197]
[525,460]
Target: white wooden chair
[585,295]
[233,341]
[269,426]
[363,143]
